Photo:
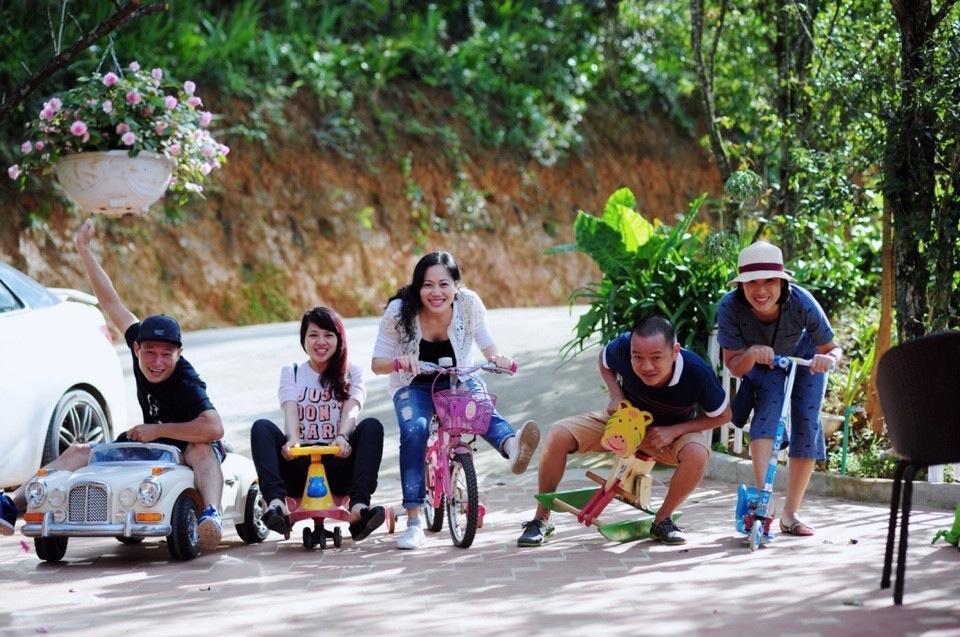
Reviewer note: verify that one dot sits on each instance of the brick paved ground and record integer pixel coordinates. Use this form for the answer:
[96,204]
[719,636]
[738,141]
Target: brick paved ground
[576,584]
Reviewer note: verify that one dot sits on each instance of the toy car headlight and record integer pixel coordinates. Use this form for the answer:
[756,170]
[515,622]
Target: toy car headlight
[149,492]
[36,492]
[57,498]
[128,498]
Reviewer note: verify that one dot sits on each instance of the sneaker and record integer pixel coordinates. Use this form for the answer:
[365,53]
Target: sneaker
[411,538]
[668,532]
[276,520]
[8,514]
[210,528]
[535,532]
[528,437]
[370,519]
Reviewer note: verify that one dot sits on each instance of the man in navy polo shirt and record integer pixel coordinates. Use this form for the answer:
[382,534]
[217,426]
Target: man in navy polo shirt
[176,409]
[648,368]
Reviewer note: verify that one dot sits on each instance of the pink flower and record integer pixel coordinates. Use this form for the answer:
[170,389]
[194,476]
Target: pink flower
[13,171]
[78,128]
[55,104]
[47,113]
[128,138]
[26,147]
[157,74]
[189,87]
[205,118]
[122,128]
[224,149]
[174,150]
[193,101]
[159,128]
[148,110]
[107,106]
[133,97]
[39,146]
[207,151]
[170,102]
[134,66]
[110,79]
[205,168]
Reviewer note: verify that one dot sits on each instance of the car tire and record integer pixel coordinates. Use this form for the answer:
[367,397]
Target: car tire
[183,543]
[252,530]
[50,549]
[78,418]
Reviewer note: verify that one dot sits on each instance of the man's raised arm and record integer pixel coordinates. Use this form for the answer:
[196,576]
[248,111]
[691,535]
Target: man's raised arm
[106,294]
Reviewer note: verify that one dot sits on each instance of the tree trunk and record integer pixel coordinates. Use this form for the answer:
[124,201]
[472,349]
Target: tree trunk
[884,331]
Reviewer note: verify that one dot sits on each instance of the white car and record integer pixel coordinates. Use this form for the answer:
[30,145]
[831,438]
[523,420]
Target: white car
[132,491]
[60,376]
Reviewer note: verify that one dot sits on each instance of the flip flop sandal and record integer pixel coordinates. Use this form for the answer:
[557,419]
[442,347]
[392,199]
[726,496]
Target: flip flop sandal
[797,528]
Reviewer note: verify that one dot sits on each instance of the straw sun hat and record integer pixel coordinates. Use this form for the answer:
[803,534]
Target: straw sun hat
[760,260]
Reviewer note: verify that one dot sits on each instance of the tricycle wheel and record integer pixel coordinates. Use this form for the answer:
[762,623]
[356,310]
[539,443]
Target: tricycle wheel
[321,538]
[308,539]
[183,543]
[50,549]
[252,530]
[337,537]
[129,541]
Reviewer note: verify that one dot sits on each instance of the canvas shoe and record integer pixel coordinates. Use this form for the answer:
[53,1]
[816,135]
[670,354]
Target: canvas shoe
[411,538]
[210,528]
[535,532]
[528,437]
[667,531]
[8,514]
[275,519]
[370,519]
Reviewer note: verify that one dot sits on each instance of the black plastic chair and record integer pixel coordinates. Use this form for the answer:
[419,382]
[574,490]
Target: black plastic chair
[916,381]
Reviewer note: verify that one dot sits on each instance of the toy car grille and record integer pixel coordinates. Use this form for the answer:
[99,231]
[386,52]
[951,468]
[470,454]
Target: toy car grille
[88,503]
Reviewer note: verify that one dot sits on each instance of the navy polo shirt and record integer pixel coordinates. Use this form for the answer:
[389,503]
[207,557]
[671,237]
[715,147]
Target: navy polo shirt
[180,398]
[693,388]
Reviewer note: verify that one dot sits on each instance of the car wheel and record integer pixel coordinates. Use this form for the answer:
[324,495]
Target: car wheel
[183,541]
[78,418]
[50,549]
[252,530]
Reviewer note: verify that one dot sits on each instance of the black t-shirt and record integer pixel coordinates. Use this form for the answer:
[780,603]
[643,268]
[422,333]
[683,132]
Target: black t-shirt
[180,398]
[433,351]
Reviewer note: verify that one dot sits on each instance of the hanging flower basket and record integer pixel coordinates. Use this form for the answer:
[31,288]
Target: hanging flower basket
[118,142]
[113,183]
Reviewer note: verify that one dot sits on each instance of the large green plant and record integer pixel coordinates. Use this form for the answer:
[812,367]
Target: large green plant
[648,268]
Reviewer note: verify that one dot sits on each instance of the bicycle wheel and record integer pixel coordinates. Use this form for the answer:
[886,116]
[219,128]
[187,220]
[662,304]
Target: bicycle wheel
[432,516]
[463,503]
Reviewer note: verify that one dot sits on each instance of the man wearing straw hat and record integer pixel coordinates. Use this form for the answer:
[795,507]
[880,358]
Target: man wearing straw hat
[769,314]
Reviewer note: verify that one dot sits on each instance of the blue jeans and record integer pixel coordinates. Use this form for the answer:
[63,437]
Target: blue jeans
[414,408]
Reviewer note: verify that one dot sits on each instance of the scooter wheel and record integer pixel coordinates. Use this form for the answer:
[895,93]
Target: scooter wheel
[756,535]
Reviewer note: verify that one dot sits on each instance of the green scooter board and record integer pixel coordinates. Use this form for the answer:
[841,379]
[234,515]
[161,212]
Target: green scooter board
[630,530]
[577,498]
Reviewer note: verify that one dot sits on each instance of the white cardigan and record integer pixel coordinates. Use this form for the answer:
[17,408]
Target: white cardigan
[469,324]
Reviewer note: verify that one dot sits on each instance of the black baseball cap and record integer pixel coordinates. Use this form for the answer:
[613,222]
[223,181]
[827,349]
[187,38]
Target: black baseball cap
[160,327]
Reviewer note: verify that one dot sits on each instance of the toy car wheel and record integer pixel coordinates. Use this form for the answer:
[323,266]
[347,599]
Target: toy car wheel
[252,530]
[183,541]
[130,541]
[78,418]
[337,537]
[307,539]
[50,549]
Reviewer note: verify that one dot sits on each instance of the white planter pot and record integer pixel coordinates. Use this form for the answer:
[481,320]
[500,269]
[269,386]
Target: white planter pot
[113,183]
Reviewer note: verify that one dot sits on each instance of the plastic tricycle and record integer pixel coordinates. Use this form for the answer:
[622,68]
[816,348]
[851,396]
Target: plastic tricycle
[318,502]
[630,481]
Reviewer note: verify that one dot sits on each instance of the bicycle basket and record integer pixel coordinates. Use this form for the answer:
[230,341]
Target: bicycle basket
[462,411]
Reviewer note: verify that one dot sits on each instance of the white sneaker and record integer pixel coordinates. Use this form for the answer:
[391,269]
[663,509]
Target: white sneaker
[411,538]
[528,437]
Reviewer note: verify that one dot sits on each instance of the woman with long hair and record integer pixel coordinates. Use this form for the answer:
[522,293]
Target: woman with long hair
[434,317]
[321,399]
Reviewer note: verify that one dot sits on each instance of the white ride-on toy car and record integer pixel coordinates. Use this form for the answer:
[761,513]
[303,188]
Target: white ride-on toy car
[133,491]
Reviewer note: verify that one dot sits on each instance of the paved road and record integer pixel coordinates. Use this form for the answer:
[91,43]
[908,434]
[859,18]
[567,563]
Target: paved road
[577,584]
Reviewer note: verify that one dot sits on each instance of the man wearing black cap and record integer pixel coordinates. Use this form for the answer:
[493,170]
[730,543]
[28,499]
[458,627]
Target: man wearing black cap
[176,409]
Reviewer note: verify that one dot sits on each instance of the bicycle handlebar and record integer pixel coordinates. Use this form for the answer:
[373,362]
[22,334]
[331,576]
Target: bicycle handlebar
[432,368]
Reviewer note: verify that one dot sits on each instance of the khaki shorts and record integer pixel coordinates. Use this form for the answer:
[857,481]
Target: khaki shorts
[587,430]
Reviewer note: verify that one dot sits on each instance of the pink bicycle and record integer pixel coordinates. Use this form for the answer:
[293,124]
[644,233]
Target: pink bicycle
[451,479]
